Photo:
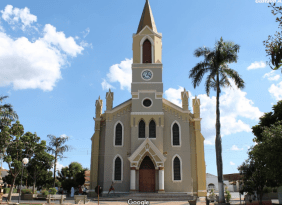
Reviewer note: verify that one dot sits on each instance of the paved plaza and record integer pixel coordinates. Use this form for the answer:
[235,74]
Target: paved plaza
[201,201]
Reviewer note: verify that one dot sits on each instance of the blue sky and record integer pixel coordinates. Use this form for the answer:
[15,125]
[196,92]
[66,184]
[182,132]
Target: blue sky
[58,57]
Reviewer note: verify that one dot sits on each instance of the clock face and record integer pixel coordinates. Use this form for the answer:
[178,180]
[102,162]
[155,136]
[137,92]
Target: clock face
[147,75]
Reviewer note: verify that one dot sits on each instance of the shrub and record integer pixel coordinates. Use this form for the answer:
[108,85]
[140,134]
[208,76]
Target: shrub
[267,190]
[7,190]
[26,191]
[274,190]
[212,193]
[227,196]
[52,191]
[44,192]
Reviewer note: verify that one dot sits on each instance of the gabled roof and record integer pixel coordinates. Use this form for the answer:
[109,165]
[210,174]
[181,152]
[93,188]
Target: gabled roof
[147,19]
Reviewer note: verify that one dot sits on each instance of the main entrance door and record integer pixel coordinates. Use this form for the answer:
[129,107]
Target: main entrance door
[147,176]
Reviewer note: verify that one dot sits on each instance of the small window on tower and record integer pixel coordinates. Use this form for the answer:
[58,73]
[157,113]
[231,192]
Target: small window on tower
[147,52]
[147,102]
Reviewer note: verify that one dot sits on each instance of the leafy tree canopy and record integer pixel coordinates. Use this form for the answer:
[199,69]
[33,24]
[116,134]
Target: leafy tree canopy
[267,120]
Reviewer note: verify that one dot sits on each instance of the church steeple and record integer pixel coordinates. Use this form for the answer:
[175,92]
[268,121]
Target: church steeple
[147,18]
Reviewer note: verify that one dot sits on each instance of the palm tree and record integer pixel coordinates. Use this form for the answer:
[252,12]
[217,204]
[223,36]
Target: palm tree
[7,114]
[216,64]
[56,147]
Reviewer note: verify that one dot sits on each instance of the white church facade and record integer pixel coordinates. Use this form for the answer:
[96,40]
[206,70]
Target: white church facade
[147,143]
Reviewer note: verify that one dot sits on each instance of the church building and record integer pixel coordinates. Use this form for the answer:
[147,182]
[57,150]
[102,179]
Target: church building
[147,143]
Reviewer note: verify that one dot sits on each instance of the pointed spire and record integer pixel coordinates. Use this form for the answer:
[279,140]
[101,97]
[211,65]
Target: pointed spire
[147,18]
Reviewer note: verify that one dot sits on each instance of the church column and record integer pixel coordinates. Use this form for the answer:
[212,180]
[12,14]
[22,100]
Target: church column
[94,167]
[132,179]
[161,179]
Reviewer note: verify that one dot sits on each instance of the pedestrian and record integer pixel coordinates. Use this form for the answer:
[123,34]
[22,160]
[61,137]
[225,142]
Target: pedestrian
[80,191]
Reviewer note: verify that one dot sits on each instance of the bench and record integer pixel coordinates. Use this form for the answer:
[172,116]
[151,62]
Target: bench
[61,198]
[78,198]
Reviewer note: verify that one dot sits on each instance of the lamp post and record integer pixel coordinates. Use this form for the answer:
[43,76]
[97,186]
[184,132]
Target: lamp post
[25,161]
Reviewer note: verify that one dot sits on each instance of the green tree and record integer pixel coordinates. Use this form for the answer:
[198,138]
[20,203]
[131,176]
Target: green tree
[41,161]
[273,45]
[255,173]
[56,147]
[7,114]
[216,64]
[267,120]
[72,175]
[19,146]
[270,148]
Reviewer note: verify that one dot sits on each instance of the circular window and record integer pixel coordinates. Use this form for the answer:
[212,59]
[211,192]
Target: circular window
[147,103]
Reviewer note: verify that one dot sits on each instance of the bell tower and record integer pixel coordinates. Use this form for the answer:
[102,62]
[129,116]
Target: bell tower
[147,85]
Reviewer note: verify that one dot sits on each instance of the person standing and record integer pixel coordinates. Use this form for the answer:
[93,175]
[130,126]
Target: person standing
[80,190]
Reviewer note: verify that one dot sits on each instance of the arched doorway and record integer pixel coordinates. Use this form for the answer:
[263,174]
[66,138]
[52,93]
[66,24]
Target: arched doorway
[147,175]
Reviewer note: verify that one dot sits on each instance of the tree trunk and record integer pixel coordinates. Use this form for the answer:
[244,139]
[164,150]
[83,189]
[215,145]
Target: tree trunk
[55,166]
[11,189]
[34,182]
[260,197]
[218,148]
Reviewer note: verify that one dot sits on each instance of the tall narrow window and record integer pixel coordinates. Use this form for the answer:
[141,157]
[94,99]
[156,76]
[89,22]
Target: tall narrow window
[141,129]
[152,129]
[175,130]
[117,169]
[147,52]
[118,140]
[176,169]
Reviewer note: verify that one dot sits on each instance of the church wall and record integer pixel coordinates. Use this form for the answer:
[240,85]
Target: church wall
[183,151]
[157,75]
[102,154]
[193,157]
[136,142]
[158,49]
[137,104]
[112,151]
[158,87]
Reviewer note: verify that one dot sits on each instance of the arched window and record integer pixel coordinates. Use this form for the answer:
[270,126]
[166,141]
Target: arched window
[210,187]
[152,129]
[176,169]
[175,135]
[147,52]
[118,140]
[118,169]
[141,129]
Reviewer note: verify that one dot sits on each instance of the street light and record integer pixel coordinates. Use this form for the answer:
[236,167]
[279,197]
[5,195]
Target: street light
[25,161]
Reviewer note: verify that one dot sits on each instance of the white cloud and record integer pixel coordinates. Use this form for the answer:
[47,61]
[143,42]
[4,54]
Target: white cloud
[68,45]
[234,147]
[106,85]
[14,15]
[86,32]
[272,76]
[257,65]
[121,73]
[174,95]
[276,91]
[232,163]
[33,64]
[58,167]
[233,104]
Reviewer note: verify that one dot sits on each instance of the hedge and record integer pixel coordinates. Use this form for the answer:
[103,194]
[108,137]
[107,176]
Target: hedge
[7,190]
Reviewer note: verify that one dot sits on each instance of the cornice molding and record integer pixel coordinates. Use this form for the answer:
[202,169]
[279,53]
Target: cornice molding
[147,113]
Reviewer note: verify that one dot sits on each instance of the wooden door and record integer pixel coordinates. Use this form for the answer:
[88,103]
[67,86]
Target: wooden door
[147,176]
